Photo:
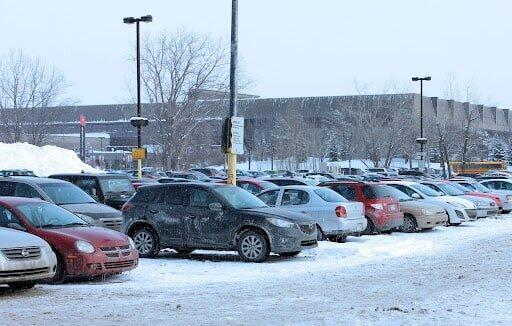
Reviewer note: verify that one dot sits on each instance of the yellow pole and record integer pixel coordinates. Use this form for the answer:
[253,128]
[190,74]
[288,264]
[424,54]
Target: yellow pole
[231,169]
[139,168]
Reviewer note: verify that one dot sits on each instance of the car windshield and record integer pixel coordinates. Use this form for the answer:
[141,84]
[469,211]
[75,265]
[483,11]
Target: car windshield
[384,191]
[46,215]
[426,190]
[117,185]
[460,187]
[480,187]
[449,189]
[239,198]
[64,193]
[330,195]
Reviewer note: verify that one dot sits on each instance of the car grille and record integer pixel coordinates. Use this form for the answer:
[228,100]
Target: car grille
[307,243]
[116,252]
[119,264]
[112,223]
[24,272]
[472,213]
[22,253]
[308,228]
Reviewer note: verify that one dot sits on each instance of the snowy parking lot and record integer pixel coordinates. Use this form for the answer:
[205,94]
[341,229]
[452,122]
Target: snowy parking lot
[450,275]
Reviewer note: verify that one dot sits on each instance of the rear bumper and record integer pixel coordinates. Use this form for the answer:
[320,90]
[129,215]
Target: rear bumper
[387,221]
[99,264]
[343,226]
[431,221]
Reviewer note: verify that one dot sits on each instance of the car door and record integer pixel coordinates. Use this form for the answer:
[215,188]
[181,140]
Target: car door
[205,227]
[298,200]
[167,212]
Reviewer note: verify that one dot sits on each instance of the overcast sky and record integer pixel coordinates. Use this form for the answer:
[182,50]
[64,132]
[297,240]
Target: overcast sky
[289,47]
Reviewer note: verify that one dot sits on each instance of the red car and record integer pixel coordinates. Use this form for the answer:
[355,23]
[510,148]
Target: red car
[382,210]
[81,249]
[254,186]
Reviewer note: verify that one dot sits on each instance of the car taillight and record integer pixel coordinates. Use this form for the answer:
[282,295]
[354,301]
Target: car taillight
[341,211]
[127,206]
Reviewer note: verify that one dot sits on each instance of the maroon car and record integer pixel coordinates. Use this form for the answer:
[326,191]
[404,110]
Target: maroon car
[81,249]
[254,186]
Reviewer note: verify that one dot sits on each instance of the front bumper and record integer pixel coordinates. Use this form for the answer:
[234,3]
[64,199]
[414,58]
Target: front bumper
[98,263]
[471,213]
[293,239]
[21,270]
[431,221]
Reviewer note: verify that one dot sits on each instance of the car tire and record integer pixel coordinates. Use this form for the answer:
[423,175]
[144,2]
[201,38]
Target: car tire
[253,247]
[410,225]
[60,270]
[22,285]
[370,228]
[146,242]
[290,254]
[338,238]
[184,251]
[319,233]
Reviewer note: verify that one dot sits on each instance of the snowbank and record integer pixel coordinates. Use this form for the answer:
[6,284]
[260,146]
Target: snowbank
[43,161]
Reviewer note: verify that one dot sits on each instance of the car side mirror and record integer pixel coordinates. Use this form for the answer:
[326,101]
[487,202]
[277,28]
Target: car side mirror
[16,226]
[215,207]
[416,196]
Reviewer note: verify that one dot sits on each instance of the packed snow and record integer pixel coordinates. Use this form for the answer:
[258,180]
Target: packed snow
[43,161]
[447,276]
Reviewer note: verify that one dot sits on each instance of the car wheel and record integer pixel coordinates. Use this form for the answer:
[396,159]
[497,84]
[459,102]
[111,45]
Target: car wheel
[370,228]
[319,233]
[146,241]
[253,247]
[289,254]
[409,224]
[337,238]
[184,251]
[60,270]
[22,285]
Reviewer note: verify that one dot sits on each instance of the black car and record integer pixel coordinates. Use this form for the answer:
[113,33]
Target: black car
[64,194]
[110,189]
[188,216]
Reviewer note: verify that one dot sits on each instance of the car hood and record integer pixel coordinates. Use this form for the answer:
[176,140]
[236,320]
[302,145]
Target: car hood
[460,200]
[14,239]
[94,210]
[278,212]
[476,199]
[97,236]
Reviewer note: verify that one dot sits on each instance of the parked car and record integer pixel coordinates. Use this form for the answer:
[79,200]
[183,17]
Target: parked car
[64,194]
[110,189]
[81,249]
[455,207]
[419,215]
[336,217]
[503,185]
[143,182]
[254,186]
[189,216]
[17,172]
[505,196]
[24,259]
[469,191]
[190,175]
[284,181]
[169,180]
[382,211]
[259,174]
[210,172]
[484,207]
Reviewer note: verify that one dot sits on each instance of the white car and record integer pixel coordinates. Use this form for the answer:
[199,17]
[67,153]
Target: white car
[24,259]
[455,207]
[485,207]
[501,186]
[336,217]
[505,196]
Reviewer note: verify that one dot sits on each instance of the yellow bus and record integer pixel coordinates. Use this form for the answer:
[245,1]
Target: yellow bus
[478,167]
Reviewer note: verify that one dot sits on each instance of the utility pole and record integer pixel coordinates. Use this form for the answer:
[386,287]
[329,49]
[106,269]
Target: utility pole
[421,140]
[231,157]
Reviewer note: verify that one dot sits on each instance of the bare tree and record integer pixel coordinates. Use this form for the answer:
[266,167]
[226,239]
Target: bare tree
[176,68]
[27,87]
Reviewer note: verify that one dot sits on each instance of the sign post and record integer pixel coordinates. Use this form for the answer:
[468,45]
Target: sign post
[83,122]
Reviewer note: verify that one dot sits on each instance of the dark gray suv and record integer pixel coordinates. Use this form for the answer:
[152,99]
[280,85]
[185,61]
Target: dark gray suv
[188,216]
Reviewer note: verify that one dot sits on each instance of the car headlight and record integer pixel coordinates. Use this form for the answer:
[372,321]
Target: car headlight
[132,244]
[427,212]
[86,218]
[377,206]
[84,246]
[280,222]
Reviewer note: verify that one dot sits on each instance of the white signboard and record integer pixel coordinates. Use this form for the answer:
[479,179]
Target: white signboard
[237,135]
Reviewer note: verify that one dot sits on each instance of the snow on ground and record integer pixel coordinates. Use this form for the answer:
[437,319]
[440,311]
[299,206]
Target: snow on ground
[447,276]
[43,161]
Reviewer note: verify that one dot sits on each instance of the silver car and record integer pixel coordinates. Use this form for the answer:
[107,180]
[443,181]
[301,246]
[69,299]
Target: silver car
[336,217]
[24,259]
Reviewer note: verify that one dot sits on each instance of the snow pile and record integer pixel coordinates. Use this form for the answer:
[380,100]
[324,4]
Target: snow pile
[43,161]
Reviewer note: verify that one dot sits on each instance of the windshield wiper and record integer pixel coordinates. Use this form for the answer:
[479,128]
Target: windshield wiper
[50,225]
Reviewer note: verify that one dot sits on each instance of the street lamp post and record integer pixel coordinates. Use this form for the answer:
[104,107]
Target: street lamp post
[231,157]
[138,122]
[421,140]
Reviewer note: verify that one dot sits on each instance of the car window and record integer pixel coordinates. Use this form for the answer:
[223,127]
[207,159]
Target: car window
[89,185]
[405,190]
[346,191]
[490,184]
[505,185]
[269,197]
[252,188]
[25,190]
[201,197]
[7,188]
[66,193]
[148,195]
[330,195]
[7,217]
[294,197]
